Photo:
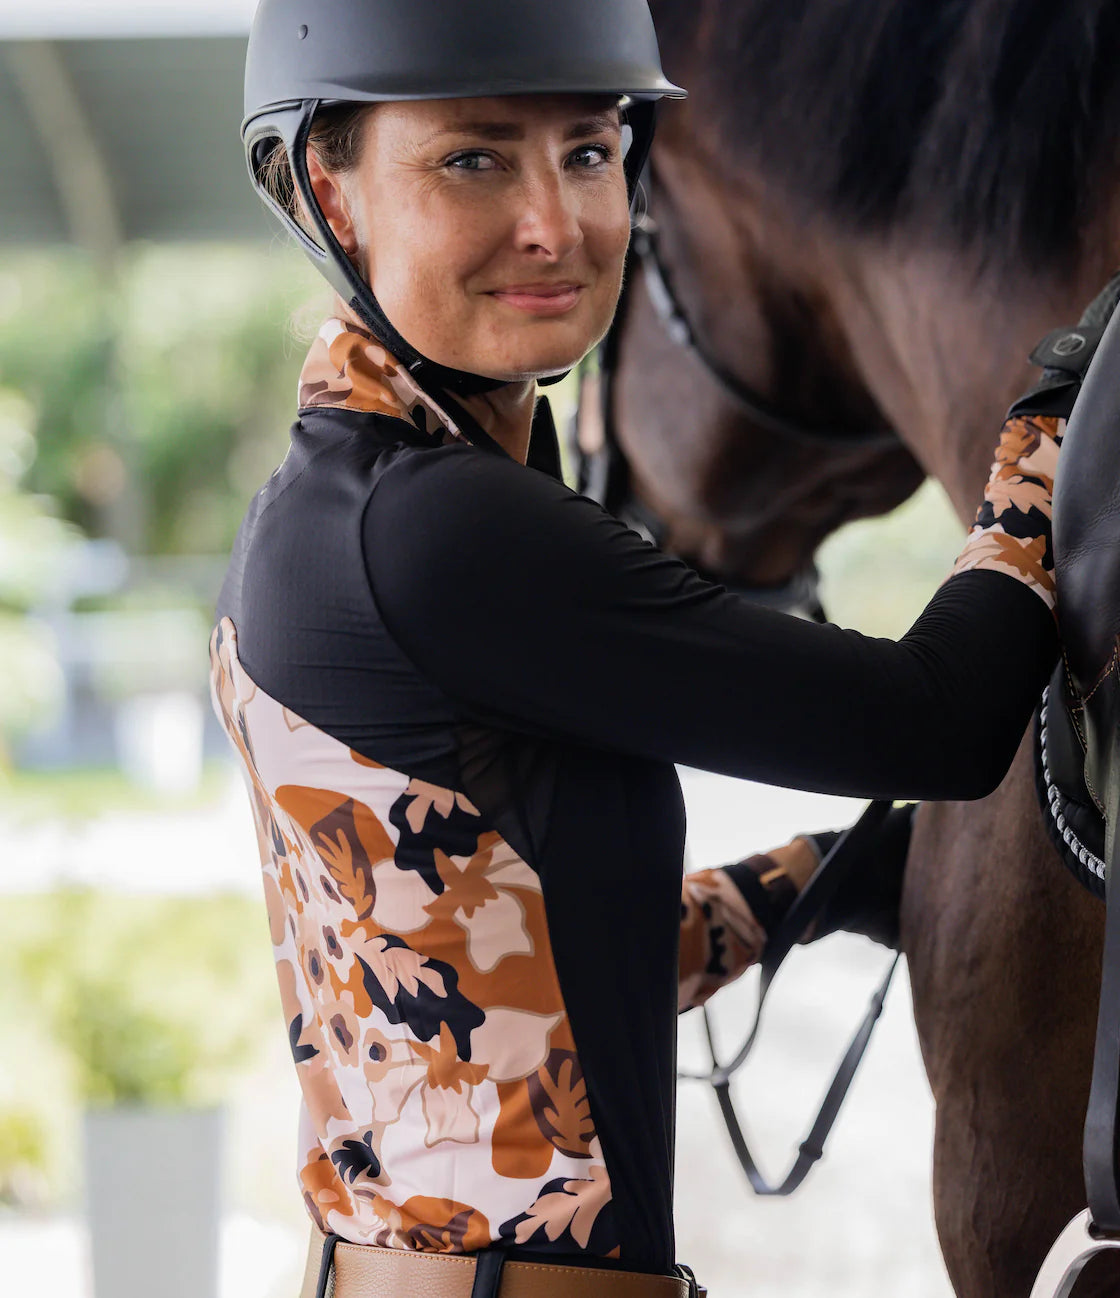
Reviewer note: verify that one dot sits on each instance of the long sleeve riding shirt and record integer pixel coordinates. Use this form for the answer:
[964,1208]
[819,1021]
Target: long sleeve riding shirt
[458,690]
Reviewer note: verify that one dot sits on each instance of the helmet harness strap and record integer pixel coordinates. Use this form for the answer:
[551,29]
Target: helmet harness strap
[430,376]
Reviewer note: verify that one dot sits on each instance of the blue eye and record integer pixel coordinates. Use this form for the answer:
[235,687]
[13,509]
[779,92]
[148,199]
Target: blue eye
[590,156]
[471,161]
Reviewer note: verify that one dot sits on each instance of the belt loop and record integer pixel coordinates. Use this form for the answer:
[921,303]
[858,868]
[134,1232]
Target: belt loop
[488,1273]
[324,1289]
[694,1288]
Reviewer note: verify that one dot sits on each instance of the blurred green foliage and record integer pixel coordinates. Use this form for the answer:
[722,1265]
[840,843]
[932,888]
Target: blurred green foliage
[878,574]
[31,681]
[115,998]
[24,1145]
[32,543]
[160,400]
[86,792]
[146,409]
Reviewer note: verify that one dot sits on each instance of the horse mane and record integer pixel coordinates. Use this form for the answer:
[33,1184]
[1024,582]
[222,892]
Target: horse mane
[990,125]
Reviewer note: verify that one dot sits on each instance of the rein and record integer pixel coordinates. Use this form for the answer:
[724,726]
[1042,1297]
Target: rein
[604,475]
[846,852]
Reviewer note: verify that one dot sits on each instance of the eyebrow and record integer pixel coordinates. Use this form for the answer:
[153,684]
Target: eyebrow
[499,131]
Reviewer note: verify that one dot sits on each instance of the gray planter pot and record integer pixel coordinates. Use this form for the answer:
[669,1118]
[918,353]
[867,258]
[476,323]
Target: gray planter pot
[153,1201]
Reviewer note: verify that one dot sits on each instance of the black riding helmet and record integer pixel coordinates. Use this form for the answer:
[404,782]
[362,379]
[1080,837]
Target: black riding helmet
[310,54]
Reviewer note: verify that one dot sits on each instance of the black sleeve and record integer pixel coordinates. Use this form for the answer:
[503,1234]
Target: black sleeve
[541,613]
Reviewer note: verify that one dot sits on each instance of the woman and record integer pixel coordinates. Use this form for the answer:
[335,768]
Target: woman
[459,689]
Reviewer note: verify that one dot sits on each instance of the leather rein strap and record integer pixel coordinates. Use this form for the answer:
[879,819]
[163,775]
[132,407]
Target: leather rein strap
[848,850]
[605,477]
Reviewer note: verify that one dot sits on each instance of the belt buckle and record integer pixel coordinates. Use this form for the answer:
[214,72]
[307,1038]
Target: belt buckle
[325,1287]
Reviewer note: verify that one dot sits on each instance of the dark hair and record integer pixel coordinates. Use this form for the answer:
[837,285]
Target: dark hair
[984,125]
[335,137]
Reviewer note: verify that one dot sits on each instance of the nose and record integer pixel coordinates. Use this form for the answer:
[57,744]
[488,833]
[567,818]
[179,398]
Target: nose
[549,223]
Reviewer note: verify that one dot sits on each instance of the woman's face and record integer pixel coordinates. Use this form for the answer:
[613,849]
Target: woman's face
[493,231]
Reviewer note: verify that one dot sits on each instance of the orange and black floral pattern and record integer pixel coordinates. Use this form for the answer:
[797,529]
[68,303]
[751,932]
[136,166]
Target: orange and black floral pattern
[348,369]
[444,1105]
[443,1100]
[1012,529]
[720,935]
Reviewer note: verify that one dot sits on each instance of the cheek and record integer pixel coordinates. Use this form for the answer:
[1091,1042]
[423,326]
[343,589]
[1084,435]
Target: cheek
[421,251]
[607,229]
[608,240]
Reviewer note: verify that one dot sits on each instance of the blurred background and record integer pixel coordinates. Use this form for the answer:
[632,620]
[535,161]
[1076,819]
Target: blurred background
[152,325]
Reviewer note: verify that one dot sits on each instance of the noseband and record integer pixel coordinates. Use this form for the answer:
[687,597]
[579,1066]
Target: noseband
[604,474]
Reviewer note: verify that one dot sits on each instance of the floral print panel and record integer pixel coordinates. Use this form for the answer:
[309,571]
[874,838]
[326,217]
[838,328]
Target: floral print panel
[444,1105]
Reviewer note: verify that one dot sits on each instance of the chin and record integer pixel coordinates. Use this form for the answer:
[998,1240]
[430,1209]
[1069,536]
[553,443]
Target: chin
[539,360]
[534,369]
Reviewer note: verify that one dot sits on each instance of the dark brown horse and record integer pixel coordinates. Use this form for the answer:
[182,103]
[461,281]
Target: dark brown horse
[870,211]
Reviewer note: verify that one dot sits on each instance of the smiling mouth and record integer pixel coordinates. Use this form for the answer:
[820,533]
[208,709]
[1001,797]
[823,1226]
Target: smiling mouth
[540,299]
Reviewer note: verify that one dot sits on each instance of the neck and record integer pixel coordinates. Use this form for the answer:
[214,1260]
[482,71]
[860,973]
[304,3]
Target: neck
[506,414]
[944,349]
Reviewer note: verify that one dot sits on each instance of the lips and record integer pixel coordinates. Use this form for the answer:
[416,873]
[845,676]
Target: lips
[539,299]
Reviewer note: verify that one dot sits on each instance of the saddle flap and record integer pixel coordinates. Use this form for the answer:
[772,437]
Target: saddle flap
[1087,521]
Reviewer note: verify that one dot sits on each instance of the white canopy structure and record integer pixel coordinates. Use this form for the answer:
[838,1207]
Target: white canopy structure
[120,121]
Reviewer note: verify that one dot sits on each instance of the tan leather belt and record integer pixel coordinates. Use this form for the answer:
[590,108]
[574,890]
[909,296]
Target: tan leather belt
[363,1271]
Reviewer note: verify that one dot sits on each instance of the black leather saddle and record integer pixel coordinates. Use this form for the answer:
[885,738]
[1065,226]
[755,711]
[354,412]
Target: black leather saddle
[1082,725]
[1087,571]
[1078,733]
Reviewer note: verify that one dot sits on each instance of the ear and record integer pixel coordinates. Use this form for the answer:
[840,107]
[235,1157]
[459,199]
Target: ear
[331,197]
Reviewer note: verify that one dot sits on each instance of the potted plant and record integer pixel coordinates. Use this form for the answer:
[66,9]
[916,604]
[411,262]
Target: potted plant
[23,1157]
[155,1000]
[152,1150]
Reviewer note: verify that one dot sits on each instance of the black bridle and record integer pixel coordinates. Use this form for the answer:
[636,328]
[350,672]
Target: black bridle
[605,476]
[760,410]
[605,473]
[852,846]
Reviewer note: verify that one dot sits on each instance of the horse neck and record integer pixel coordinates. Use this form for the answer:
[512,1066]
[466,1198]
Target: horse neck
[856,332]
[944,348]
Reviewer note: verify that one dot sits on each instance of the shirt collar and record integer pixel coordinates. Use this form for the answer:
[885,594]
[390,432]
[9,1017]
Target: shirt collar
[348,369]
